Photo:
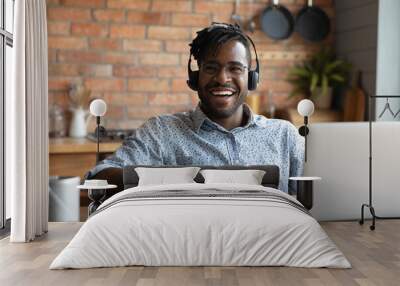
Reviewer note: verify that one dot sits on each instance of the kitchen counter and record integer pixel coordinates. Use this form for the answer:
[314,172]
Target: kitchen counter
[318,116]
[79,145]
[75,156]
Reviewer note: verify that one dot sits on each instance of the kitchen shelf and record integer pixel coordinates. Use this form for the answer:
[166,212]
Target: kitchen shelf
[319,115]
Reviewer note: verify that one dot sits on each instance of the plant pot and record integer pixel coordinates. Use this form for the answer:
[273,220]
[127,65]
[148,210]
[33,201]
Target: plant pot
[79,121]
[322,101]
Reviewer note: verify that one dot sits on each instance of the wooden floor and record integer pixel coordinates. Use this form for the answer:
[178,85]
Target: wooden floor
[375,256]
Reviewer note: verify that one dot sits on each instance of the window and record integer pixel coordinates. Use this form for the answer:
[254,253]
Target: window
[6,65]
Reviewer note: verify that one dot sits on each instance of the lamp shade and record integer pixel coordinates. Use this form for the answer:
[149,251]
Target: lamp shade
[98,107]
[305,107]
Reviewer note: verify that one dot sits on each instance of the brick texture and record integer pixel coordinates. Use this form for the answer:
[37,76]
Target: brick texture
[86,3]
[133,53]
[109,15]
[59,28]
[148,18]
[89,29]
[168,33]
[127,31]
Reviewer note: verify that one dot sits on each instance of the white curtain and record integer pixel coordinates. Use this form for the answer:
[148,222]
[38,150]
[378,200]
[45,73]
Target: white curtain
[27,124]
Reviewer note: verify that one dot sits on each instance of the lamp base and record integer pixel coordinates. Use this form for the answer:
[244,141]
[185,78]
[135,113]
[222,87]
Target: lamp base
[96,196]
[305,193]
[102,131]
[303,130]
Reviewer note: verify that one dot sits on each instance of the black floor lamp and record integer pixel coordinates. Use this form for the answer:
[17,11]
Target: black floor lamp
[96,193]
[305,108]
[304,193]
[98,108]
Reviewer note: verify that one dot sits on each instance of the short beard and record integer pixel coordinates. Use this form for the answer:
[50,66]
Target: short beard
[215,113]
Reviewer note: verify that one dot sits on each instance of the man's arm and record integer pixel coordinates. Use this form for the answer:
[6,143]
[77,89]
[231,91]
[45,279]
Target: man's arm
[113,176]
[296,154]
[141,148]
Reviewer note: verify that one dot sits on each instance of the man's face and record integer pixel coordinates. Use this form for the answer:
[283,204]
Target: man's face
[223,80]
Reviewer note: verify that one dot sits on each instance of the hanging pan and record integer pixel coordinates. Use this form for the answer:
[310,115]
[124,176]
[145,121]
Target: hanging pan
[312,23]
[277,22]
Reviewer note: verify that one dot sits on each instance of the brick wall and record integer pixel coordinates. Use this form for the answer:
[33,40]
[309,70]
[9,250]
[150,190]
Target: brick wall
[133,53]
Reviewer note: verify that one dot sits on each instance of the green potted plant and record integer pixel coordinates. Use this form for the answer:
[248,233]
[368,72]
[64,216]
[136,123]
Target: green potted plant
[315,77]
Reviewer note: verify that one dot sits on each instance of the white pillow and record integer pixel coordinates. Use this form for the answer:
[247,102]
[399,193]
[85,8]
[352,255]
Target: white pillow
[248,177]
[165,176]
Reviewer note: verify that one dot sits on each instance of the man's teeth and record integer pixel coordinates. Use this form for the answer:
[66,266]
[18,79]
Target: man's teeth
[222,93]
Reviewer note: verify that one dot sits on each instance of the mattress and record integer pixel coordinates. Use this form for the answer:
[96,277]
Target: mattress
[201,225]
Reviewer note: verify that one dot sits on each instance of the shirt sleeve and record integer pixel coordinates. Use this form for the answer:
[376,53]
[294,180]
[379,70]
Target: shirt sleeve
[296,154]
[141,148]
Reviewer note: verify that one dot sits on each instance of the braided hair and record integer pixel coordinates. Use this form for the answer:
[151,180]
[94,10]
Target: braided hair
[211,38]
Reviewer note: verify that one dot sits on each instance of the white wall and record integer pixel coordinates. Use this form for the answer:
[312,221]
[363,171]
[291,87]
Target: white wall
[388,58]
[339,153]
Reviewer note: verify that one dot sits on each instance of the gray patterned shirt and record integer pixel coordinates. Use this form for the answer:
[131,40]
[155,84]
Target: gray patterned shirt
[191,138]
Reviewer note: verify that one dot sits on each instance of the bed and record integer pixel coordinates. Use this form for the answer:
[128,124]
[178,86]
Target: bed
[201,224]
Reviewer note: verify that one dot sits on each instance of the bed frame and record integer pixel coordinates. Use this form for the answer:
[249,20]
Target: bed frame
[131,179]
[270,179]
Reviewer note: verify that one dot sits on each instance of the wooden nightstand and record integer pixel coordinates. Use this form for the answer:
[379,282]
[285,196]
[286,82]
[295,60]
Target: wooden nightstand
[75,156]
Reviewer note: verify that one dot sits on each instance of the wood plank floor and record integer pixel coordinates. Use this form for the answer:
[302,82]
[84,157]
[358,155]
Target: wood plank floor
[375,257]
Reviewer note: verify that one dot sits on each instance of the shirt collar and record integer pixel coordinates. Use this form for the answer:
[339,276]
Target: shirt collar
[199,117]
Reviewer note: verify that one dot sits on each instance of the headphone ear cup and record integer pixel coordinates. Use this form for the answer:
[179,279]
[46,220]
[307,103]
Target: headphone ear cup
[193,81]
[252,80]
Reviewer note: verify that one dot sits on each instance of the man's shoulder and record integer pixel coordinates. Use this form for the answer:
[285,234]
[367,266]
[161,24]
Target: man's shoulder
[278,129]
[272,123]
[168,120]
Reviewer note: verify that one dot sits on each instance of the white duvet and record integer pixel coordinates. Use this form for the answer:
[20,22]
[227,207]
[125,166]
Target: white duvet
[207,230]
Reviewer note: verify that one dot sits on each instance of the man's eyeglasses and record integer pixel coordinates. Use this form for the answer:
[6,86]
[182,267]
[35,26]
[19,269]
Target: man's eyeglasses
[234,69]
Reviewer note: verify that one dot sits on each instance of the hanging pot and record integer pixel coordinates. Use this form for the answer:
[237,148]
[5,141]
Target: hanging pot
[277,22]
[312,23]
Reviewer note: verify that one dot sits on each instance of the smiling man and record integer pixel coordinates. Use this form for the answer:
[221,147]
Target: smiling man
[223,83]
[222,130]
